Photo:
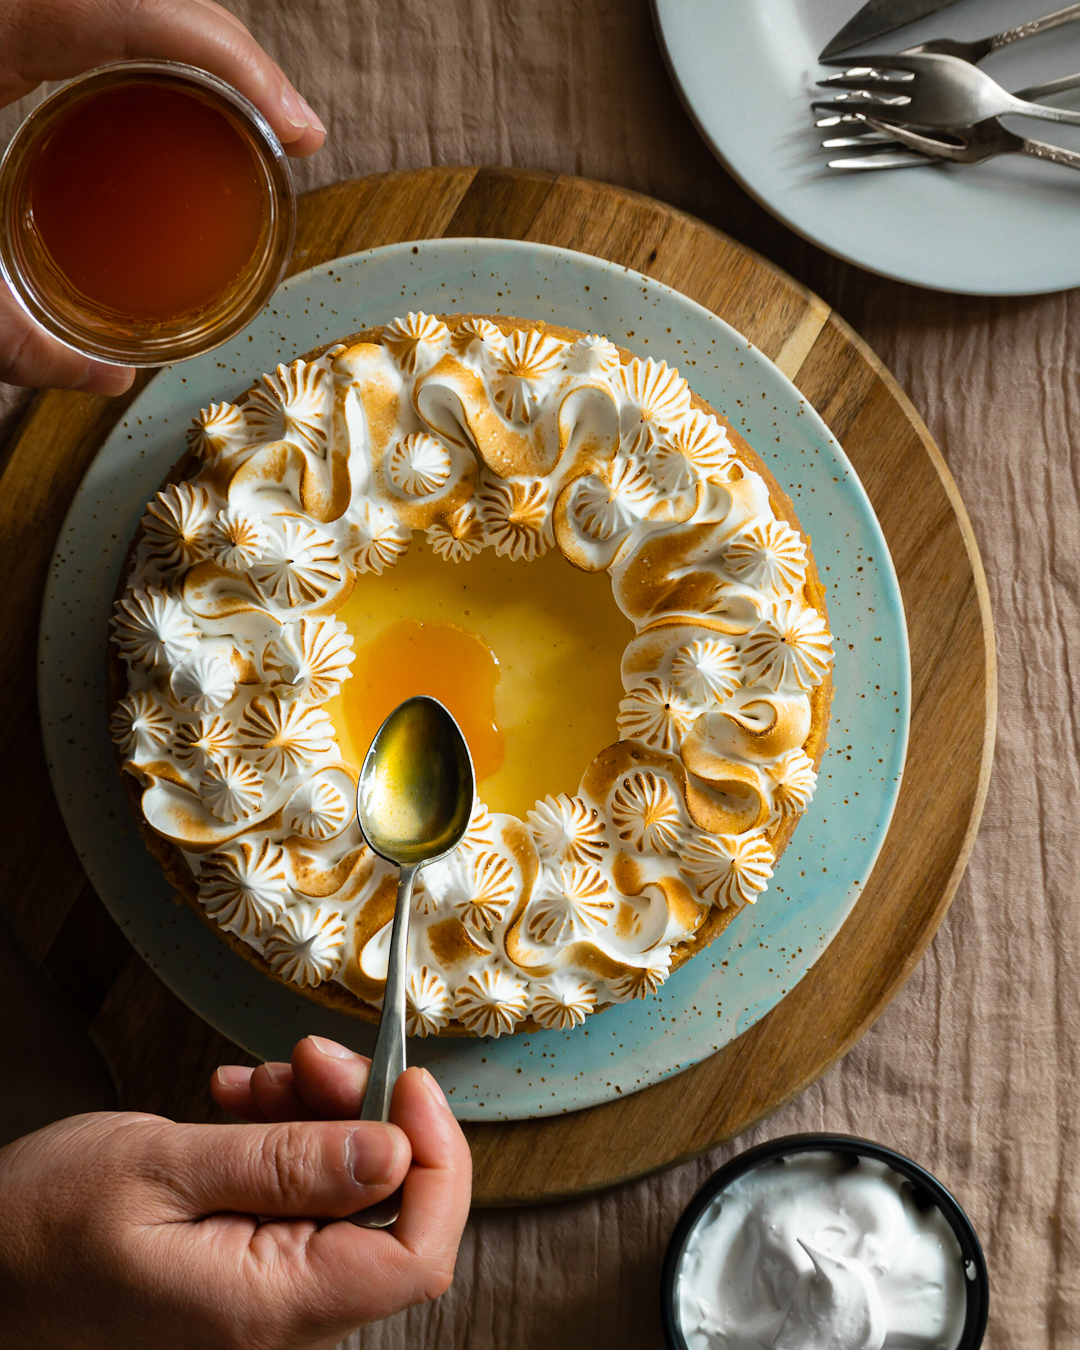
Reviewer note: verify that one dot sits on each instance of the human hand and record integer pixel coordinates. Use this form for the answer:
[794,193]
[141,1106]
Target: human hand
[57,39]
[122,1229]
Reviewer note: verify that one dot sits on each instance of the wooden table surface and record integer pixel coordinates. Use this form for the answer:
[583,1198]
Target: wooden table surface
[972,1069]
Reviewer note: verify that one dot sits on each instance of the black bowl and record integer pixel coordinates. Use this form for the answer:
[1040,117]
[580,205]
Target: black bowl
[926,1187]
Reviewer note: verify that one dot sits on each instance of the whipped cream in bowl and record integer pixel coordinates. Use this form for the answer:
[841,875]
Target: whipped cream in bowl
[824,1242]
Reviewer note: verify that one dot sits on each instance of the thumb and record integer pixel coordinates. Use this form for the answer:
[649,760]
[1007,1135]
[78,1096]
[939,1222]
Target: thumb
[300,1169]
[29,356]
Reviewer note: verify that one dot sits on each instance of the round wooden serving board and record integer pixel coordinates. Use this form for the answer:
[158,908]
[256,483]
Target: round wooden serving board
[164,1054]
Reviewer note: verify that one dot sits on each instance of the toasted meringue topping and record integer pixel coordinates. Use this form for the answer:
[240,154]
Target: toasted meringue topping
[514,517]
[284,737]
[728,869]
[202,741]
[768,554]
[204,683]
[656,714]
[704,442]
[415,341]
[706,671]
[481,889]
[795,783]
[307,946]
[567,828]
[232,789]
[658,396]
[243,887]
[593,355]
[481,833]
[176,526]
[646,814]
[427,1003]
[215,431]
[668,468]
[419,465]
[461,538]
[377,539]
[563,1002]
[608,506]
[573,901]
[526,360]
[291,405]
[473,435]
[640,981]
[312,657]
[790,644]
[298,566]
[152,629]
[140,725]
[480,332]
[317,811]
[236,539]
[491,1001]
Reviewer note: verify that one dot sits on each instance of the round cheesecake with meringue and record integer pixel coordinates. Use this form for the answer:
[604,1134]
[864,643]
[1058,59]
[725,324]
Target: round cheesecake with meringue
[585,562]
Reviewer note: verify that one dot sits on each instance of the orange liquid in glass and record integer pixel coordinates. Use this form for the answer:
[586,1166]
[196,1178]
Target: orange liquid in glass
[148,200]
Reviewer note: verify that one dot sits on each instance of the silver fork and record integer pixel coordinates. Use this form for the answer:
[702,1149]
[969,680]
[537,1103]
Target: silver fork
[970,145]
[930,90]
[852,116]
[973,52]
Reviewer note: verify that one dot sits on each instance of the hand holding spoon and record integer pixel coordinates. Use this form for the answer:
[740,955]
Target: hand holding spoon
[414,804]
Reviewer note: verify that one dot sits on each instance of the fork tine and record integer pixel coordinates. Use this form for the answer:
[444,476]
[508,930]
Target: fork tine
[885,159]
[861,95]
[851,70]
[872,80]
[867,105]
[886,61]
[839,120]
[852,142]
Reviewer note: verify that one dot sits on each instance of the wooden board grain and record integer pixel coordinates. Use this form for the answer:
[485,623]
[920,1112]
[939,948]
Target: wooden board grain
[164,1053]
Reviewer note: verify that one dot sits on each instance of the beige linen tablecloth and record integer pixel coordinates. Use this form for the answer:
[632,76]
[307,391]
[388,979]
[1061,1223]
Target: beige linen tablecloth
[973,1069]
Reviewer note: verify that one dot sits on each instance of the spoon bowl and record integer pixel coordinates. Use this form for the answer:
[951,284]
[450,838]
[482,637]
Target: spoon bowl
[416,789]
[414,803]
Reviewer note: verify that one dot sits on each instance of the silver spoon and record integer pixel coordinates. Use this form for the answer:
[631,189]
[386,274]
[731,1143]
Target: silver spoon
[414,803]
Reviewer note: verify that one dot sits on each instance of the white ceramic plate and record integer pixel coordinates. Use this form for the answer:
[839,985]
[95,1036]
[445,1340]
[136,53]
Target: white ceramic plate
[747,70]
[766,951]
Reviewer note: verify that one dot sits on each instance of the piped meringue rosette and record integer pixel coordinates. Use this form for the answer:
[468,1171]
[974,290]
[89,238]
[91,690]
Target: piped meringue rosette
[479,433]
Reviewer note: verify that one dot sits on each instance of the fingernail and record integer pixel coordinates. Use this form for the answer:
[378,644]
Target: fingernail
[331,1048]
[312,116]
[435,1090]
[231,1075]
[292,105]
[278,1073]
[372,1153]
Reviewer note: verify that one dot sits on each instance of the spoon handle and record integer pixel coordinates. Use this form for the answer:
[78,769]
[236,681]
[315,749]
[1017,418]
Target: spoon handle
[388,1061]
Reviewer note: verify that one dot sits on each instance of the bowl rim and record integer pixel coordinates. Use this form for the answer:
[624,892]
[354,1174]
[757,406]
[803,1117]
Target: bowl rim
[275,164]
[977,1285]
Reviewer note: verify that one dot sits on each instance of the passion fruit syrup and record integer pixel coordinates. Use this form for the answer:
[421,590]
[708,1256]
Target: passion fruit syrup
[147,200]
[526,655]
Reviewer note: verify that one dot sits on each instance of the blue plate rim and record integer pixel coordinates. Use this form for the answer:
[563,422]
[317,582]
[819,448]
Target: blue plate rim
[766,368]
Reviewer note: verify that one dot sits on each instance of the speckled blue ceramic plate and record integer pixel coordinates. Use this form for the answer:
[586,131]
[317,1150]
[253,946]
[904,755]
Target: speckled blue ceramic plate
[747,71]
[750,967]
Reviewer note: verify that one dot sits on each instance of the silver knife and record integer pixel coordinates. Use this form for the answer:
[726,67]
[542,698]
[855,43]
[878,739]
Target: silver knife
[880,16]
